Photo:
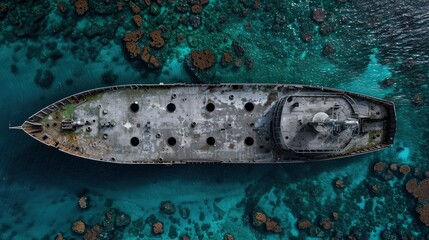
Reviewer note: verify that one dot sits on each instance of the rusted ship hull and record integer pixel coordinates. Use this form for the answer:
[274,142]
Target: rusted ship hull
[227,123]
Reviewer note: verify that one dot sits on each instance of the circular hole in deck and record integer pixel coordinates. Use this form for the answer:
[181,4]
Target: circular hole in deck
[289,99]
[134,141]
[171,141]
[211,141]
[249,106]
[171,107]
[249,141]
[210,107]
[134,107]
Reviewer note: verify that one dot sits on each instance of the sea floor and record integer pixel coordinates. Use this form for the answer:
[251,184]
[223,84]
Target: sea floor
[52,49]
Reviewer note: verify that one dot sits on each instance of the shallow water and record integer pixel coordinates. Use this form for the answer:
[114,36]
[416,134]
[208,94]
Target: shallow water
[373,40]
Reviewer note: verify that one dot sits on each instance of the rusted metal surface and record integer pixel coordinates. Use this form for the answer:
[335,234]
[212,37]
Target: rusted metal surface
[240,123]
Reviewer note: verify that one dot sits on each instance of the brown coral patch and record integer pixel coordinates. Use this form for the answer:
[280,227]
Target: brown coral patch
[204,2]
[81,7]
[92,234]
[272,226]
[202,59]
[304,224]
[423,211]
[79,227]
[157,40]
[146,54]
[379,167]
[153,62]
[227,58]
[404,169]
[62,7]
[138,20]
[132,49]
[157,228]
[148,2]
[197,8]
[59,236]
[133,36]
[420,190]
[134,8]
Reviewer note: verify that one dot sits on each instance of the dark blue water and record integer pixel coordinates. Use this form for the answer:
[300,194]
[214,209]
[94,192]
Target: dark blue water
[47,54]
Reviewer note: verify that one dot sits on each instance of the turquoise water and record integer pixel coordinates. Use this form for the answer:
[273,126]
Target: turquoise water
[373,40]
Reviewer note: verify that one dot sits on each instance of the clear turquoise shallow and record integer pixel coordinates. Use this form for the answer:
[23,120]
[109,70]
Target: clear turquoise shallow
[39,186]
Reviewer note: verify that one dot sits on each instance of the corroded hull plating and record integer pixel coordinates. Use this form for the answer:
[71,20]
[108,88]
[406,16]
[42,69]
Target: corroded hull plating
[228,123]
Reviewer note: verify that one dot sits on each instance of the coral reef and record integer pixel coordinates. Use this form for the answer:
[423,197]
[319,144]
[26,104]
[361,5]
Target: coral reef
[157,40]
[423,211]
[202,60]
[260,220]
[79,227]
[157,228]
[83,202]
[81,7]
[318,15]
[420,190]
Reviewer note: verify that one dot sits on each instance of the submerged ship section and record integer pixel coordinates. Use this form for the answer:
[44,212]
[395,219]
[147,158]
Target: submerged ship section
[266,123]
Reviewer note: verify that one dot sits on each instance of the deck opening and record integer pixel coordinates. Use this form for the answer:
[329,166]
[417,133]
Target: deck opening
[193,124]
[171,107]
[210,107]
[289,99]
[249,106]
[249,141]
[134,141]
[171,141]
[134,107]
[231,97]
[211,141]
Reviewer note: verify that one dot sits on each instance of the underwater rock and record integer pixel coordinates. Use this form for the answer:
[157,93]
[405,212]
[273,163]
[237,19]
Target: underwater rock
[239,48]
[420,190]
[423,212]
[157,40]
[157,228]
[83,202]
[335,215]
[382,171]
[326,29]
[387,83]
[306,37]
[109,77]
[79,227]
[272,226]
[154,9]
[92,234]
[81,7]
[122,219]
[172,233]
[182,6]
[228,236]
[44,79]
[417,99]
[304,224]
[318,15]
[338,183]
[184,212]
[195,21]
[328,49]
[167,207]
[62,7]
[3,10]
